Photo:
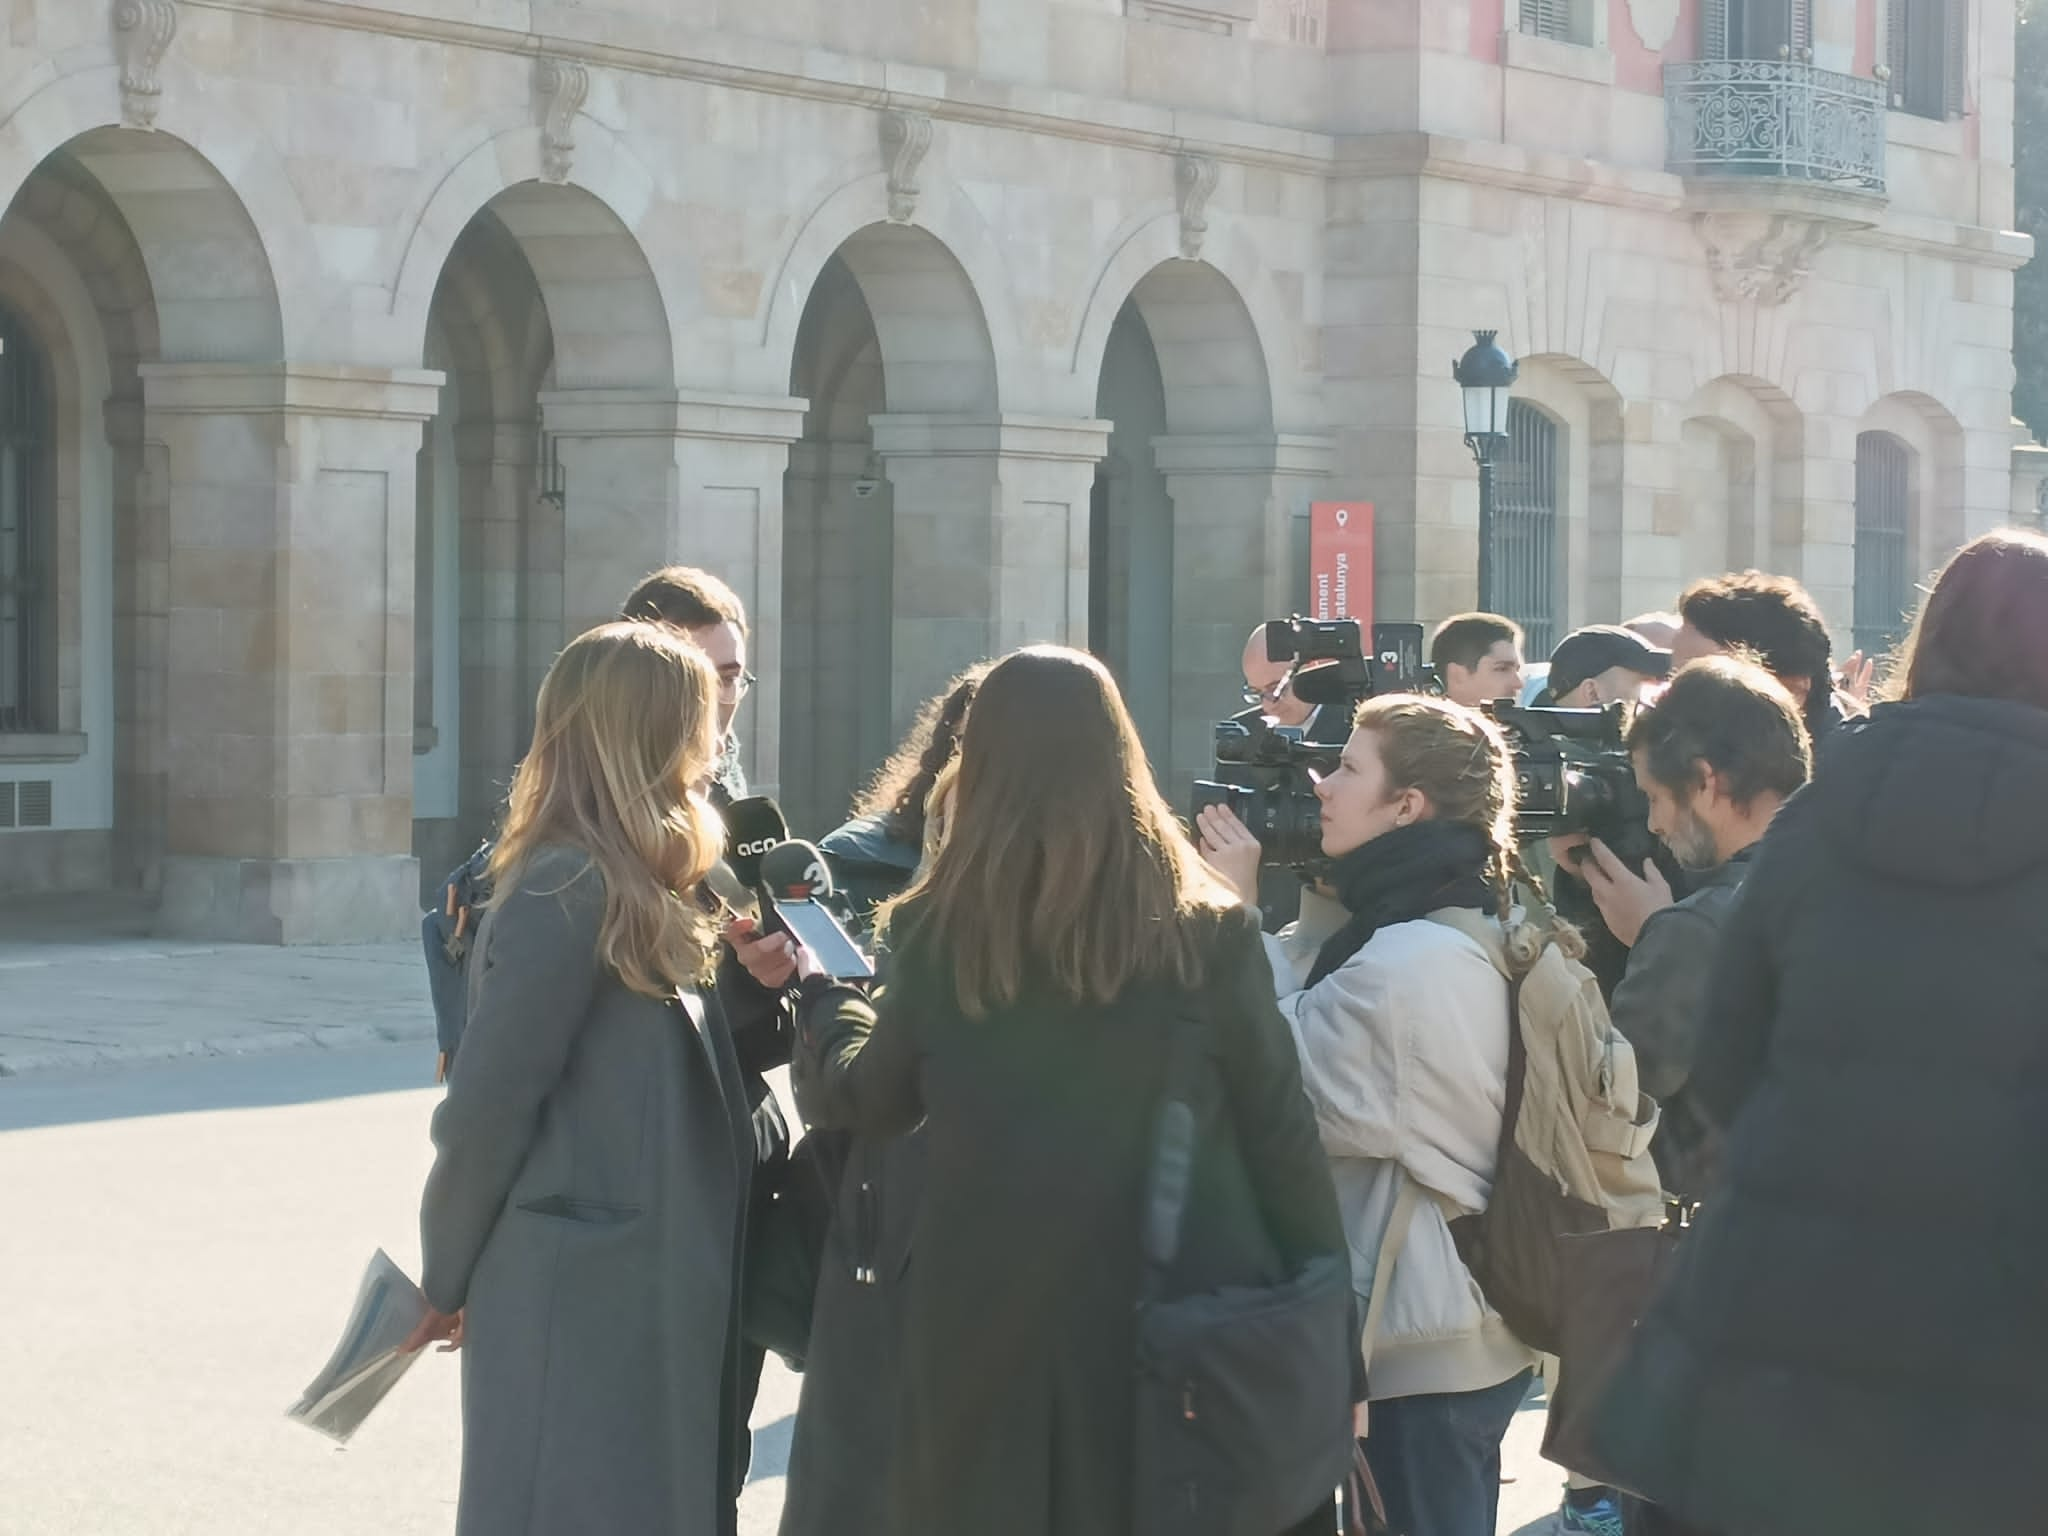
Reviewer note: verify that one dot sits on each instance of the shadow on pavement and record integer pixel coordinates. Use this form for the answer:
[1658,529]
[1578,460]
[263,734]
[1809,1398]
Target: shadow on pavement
[197,1085]
[771,1449]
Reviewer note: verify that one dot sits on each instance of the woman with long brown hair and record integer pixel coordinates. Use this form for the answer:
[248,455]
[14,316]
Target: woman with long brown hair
[1853,1342]
[1041,966]
[581,1226]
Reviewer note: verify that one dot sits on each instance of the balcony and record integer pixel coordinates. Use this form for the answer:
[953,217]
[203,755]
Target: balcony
[1776,119]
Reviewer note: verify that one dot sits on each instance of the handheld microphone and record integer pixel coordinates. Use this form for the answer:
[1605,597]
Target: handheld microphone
[796,881]
[752,827]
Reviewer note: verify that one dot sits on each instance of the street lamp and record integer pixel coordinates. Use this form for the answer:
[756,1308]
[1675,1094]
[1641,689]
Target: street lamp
[1485,374]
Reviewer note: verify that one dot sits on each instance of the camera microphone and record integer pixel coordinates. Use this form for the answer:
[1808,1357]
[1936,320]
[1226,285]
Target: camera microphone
[1323,682]
[796,881]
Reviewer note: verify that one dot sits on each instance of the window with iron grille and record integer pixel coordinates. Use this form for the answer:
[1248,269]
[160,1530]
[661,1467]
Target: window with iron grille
[1564,21]
[28,652]
[1926,50]
[1527,491]
[1884,540]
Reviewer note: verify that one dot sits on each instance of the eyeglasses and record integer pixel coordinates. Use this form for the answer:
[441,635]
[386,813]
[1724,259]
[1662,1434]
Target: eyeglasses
[1272,694]
[737,687]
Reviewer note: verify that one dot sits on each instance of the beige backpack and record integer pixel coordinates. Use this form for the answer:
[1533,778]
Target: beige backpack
[1575,1131]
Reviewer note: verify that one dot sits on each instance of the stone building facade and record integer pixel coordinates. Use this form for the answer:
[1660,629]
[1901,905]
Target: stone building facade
[357,352]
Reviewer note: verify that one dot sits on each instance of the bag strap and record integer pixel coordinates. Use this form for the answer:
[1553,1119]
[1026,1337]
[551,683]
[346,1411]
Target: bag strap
[1391,1244]
[1489,933]
[1173,1155]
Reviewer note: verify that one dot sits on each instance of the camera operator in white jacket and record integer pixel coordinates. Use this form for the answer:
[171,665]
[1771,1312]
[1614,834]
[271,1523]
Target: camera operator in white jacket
[1402,1027]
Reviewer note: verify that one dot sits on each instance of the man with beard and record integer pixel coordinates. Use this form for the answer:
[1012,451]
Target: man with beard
[1717,756]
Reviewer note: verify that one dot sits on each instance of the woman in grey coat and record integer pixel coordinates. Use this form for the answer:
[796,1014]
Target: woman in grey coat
[583,1223]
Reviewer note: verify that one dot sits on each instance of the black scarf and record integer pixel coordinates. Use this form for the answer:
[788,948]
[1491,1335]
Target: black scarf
[1402,875]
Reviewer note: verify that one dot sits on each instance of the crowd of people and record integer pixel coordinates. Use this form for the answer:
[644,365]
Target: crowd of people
[1831,974]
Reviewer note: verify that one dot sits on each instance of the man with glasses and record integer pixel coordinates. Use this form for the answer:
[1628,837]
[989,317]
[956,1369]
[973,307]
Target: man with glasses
[1268,689]
[709,613]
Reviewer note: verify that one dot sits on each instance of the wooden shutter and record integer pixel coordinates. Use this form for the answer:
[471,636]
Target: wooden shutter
[1548,18]
[1956,59]
[1896,25]
[1713,29]
[1800,28]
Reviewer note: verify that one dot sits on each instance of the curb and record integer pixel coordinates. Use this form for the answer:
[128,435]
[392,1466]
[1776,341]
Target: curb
[77,1056]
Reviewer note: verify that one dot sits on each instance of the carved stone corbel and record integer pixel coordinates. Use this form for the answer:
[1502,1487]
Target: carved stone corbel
[1765,257]
[143,30]
[906,137]
[563,86]
[1194,179]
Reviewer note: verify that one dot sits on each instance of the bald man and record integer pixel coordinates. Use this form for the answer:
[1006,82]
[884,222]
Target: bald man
[1265,685]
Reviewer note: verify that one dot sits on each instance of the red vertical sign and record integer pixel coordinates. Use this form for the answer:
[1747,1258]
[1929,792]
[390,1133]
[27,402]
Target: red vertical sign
[1340,561]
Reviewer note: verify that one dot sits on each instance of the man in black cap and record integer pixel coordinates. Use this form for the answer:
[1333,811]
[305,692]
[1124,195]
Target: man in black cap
[1603,663]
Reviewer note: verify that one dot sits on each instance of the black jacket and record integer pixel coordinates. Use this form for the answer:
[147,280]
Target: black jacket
[845,1420]
[1014,1414]
[1854,1341]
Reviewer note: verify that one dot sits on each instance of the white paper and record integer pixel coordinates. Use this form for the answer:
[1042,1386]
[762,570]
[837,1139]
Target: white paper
[367,1363]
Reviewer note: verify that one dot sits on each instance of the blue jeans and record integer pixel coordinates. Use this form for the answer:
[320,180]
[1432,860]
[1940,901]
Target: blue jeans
[1437,1458]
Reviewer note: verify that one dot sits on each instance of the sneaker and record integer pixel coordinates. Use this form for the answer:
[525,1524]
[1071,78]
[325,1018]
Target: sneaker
[1593,1511]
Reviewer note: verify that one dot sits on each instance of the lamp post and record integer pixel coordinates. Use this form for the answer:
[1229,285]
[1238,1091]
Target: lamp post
[1485,374]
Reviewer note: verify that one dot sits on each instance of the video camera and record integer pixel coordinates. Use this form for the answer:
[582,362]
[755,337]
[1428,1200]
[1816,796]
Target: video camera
[1267,773]
[1573,773]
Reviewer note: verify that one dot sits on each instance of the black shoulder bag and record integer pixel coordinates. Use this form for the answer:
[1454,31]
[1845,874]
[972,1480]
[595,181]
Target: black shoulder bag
[1244,1394]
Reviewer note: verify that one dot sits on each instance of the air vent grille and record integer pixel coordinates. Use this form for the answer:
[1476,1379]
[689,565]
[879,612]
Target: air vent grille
[35,805]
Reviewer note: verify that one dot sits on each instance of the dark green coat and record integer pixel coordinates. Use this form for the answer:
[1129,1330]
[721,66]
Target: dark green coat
[1015,1405]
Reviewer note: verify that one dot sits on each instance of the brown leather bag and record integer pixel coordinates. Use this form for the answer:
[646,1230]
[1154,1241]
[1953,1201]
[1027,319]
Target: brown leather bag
[1608,1282]
[1364,1512]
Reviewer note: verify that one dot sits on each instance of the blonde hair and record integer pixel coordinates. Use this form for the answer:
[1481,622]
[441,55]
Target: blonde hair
[625,728]
[1459,761]
[1058,860]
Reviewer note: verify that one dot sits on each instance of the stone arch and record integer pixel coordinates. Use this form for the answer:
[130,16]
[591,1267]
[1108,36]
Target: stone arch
[894,353]
[228,280]
[1149,256]
[582,237]
[853,220]
[488,556]
[1741,478]
[65,231]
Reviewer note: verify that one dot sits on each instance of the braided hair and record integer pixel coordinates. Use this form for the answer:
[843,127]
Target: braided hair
[1459,760]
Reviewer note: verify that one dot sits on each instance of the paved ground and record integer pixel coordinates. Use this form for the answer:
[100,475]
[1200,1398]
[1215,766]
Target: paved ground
[84,983]
[199,1152]
[181,1247]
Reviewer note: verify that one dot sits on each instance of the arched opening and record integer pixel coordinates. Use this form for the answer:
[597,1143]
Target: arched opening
[1558,502]
[28,536]
[1886,472]
[1191,537]
[886,567]
[543,493]
[1528,490]
[145,607]
[1130,536]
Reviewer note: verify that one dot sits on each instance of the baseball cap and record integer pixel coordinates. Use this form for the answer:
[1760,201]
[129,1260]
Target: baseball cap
[1590,651]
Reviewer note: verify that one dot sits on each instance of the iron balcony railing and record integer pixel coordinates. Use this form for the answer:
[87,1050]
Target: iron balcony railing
[1769,117]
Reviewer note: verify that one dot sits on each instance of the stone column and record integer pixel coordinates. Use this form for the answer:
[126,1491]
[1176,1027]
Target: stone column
[289,692]
[661,477]
[991,540]
[1235,501]
[494,463]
